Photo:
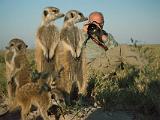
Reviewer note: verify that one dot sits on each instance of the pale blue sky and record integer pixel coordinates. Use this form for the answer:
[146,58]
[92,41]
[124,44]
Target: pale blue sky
[139,19]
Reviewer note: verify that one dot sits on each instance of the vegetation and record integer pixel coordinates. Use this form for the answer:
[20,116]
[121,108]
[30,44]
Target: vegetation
[129,88]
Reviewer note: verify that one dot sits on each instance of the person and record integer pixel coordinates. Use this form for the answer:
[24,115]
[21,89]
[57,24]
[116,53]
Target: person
[93,48]
[107,52]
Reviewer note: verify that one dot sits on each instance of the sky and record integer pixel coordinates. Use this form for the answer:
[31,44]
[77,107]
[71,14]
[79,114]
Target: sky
[139,19]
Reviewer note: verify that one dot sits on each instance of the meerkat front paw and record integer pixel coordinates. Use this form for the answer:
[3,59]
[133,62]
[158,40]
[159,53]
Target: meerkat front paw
[73,53]
[46,55]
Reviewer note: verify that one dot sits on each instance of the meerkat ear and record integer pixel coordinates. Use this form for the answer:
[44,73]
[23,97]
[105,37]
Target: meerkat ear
[45,12]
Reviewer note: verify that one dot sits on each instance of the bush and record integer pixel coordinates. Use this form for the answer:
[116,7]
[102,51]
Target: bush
[130,88]
[2,59]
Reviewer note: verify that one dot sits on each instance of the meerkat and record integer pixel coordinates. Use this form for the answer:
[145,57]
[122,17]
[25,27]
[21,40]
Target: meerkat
[29,94]
[32,94]
[47,38]
[70,54]
[16,61]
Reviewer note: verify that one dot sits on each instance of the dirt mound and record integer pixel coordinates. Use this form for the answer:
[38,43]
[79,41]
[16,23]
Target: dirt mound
[116,57]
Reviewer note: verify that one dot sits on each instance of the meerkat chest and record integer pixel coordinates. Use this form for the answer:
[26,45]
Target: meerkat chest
[70,35]
[48,35]
[48,32]
[8,59]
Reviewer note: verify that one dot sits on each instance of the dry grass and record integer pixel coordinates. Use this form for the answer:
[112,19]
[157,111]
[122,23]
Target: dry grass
[130,88]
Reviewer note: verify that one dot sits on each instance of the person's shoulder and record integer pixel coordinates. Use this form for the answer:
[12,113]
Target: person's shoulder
[110,36]
[111,42]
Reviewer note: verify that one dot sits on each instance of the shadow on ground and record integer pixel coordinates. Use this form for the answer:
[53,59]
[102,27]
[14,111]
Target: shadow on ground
[99,114]
[14,116]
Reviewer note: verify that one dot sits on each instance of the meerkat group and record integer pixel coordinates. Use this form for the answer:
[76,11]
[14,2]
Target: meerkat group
[54,50]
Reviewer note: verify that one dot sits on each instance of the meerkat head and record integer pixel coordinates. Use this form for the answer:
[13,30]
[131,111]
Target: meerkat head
[17,45]
[74,16]
[51,14]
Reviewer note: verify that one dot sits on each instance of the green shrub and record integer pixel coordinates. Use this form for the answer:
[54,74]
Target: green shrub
[131,87]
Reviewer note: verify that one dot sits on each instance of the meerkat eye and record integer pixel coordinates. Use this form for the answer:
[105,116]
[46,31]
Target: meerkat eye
[45,12]
[11,44]
[55,11]
[72,15]
[19,47]
[26,46]
[80,14]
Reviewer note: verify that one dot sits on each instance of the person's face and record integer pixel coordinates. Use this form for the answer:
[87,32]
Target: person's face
[96,19]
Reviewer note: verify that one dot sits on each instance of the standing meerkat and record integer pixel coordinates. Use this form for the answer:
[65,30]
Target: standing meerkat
[70,54]
[47,38]
[16,61]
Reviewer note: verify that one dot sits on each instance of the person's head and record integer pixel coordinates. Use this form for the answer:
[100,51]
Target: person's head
[97,17]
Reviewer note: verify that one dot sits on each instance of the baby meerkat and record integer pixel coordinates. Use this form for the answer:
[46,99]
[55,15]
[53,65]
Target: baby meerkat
[16,62]
[70,54]
[32,94]
[47,38]
[29,94]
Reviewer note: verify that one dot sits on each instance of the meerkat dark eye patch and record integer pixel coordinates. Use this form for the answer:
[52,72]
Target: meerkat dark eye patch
[19,47]
[55,11]
[72,15]
[11,44]
[80,14]
[26,46]
[45,13]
